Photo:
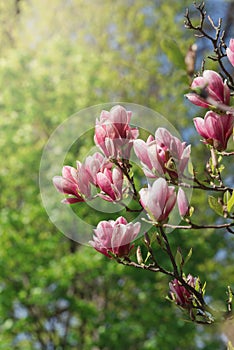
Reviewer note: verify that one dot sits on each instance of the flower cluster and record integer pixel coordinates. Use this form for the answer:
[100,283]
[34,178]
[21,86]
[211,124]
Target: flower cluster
[164,159]
[160,155]
[211,92]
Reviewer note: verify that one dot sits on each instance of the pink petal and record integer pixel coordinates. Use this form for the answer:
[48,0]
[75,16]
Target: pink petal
[141,151]
[105,185]
[70,173]
[230,55]
[72,200]
[182,202]
[200,127]
[192,97]
[65,186]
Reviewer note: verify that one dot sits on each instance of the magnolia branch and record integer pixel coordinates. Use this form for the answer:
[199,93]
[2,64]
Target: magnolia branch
[199,227]
[217,41]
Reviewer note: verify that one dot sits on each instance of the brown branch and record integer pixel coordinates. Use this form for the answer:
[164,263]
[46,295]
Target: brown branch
[199,227]
[217,41]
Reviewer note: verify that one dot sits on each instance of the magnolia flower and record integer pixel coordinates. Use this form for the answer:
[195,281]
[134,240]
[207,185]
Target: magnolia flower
[115,237]
[180,294]
[110,182]
[163,154]
[94,164]
[158,200]
[182,202]
[113,135]
[152,168]
[230,51]
[214,88]
[74,183]
[215,129]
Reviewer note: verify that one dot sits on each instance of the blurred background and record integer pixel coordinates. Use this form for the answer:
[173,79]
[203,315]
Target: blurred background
[58,57]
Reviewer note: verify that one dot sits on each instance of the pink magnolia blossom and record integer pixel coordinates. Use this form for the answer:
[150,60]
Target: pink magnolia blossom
[94,164]
[164,154]
[214,87]
[115,237]
[230,51]
[158,200]
[182,202]
[180,294]
[74,183]
[113,134]
[111,184]
[215,129]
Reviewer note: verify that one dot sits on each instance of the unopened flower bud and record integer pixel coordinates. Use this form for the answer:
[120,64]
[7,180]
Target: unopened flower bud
[139,255]
[183,203]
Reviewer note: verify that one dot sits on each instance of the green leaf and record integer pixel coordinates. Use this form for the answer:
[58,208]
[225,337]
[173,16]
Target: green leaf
[221,168]
[179,258]
[188,256]
[230,203]
[190,168]
[204,288]
[215,205]
[198,285]
[226,196]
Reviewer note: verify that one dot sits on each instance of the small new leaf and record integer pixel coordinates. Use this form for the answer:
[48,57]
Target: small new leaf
[226,196]
[230,203]
[179,259]
[188,256]
[198,285]
[191,211]
[204,288]
[215,205]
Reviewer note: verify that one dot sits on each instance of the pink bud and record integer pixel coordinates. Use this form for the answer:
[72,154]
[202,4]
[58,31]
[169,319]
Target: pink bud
[230,51]
[182,202]
[115,237]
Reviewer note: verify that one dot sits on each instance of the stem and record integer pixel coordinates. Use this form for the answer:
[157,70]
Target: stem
[125,169]
[227,154]
[169,252]
[198,227]
[151,267]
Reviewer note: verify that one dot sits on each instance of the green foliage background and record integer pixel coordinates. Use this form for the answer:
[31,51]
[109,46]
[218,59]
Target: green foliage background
[58,57]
